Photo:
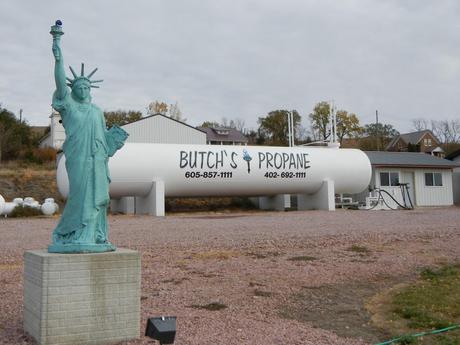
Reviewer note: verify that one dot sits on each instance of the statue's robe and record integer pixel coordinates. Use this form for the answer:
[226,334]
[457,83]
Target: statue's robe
[84,220]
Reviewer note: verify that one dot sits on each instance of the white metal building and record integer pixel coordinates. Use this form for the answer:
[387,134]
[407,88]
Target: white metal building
[429,178]
[162,129]
[455,158]
[156,128]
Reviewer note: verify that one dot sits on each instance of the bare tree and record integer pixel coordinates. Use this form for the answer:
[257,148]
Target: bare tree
[239,125]
[447,131]
[420,124]
[175,113]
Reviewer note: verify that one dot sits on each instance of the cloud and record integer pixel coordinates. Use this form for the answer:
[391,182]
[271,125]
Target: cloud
[241,59]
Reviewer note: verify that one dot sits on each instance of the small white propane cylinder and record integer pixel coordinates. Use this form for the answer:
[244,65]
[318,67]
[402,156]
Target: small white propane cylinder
[2,204]
[18,201]
[8,208]
[49,207]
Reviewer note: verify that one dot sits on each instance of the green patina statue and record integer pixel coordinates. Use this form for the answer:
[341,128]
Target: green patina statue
[83,226]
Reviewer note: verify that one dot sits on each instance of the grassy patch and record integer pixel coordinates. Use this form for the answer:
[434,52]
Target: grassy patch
[407,340]
[432,302]
[25,211]
[261,293]
[10,266]
[263,255]
[253,284]
[214,306]
[359,249]
[175,281]
[302,258]
[215,254]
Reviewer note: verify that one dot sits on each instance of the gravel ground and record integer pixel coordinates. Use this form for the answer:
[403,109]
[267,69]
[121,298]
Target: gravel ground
[285,278]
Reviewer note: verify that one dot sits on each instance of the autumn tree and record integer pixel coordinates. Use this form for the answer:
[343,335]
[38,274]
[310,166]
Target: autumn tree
[121,117]
[377,136]
[320,120]
[171,110]
[274,127]
[347,125]
[157,107]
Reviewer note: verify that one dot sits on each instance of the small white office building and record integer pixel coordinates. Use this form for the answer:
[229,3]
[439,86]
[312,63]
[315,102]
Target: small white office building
[429,178]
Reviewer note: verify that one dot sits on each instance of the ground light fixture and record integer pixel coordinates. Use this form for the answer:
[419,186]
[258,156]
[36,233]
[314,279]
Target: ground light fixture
[161,328]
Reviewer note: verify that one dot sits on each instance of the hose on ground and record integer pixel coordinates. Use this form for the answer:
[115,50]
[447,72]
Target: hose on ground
[421,334]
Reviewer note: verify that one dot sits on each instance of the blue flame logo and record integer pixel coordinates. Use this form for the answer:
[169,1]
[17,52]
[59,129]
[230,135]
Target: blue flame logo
[247,158]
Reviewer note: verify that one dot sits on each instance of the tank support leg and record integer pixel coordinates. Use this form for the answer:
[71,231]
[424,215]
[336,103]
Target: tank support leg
[323,199]
[154,202]
[276,202]
[123,205]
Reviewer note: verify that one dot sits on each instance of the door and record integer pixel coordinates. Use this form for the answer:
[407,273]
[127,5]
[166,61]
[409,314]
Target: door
[408,177]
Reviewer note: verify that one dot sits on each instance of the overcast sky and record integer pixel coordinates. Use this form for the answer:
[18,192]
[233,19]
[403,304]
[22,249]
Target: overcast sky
[240,58]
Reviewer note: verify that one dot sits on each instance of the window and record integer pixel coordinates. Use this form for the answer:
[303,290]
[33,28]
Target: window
[388,179]
[433,179]
[427,142]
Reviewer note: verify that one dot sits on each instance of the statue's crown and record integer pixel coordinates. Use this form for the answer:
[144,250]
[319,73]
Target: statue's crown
[71,82]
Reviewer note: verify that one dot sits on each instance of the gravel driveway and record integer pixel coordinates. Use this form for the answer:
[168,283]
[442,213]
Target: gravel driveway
[280,278]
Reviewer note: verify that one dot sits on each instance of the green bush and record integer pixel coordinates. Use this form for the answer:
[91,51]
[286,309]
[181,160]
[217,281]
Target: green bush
[25,211]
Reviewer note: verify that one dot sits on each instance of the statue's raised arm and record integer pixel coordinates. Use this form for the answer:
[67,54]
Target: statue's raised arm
[59,73]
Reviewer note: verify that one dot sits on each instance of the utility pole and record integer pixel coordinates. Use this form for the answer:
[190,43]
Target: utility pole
[332,122]
[291,130]
[377,129]
[20,123]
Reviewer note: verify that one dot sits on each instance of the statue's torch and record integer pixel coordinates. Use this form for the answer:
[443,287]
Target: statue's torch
[56,31]
[248,159]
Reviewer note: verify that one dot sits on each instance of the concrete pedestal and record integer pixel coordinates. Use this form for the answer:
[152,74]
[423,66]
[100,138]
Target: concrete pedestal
[89,299]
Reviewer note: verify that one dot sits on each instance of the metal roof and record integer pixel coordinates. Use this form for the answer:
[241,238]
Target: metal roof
[408,159]
[167,117]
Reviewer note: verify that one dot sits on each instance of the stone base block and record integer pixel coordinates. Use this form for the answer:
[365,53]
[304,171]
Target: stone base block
[89,299]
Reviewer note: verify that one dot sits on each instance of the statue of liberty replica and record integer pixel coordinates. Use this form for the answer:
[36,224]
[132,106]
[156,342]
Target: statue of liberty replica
[83,225]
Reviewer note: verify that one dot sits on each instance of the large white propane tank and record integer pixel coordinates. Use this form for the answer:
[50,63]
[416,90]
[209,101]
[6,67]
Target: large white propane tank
[209,170]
